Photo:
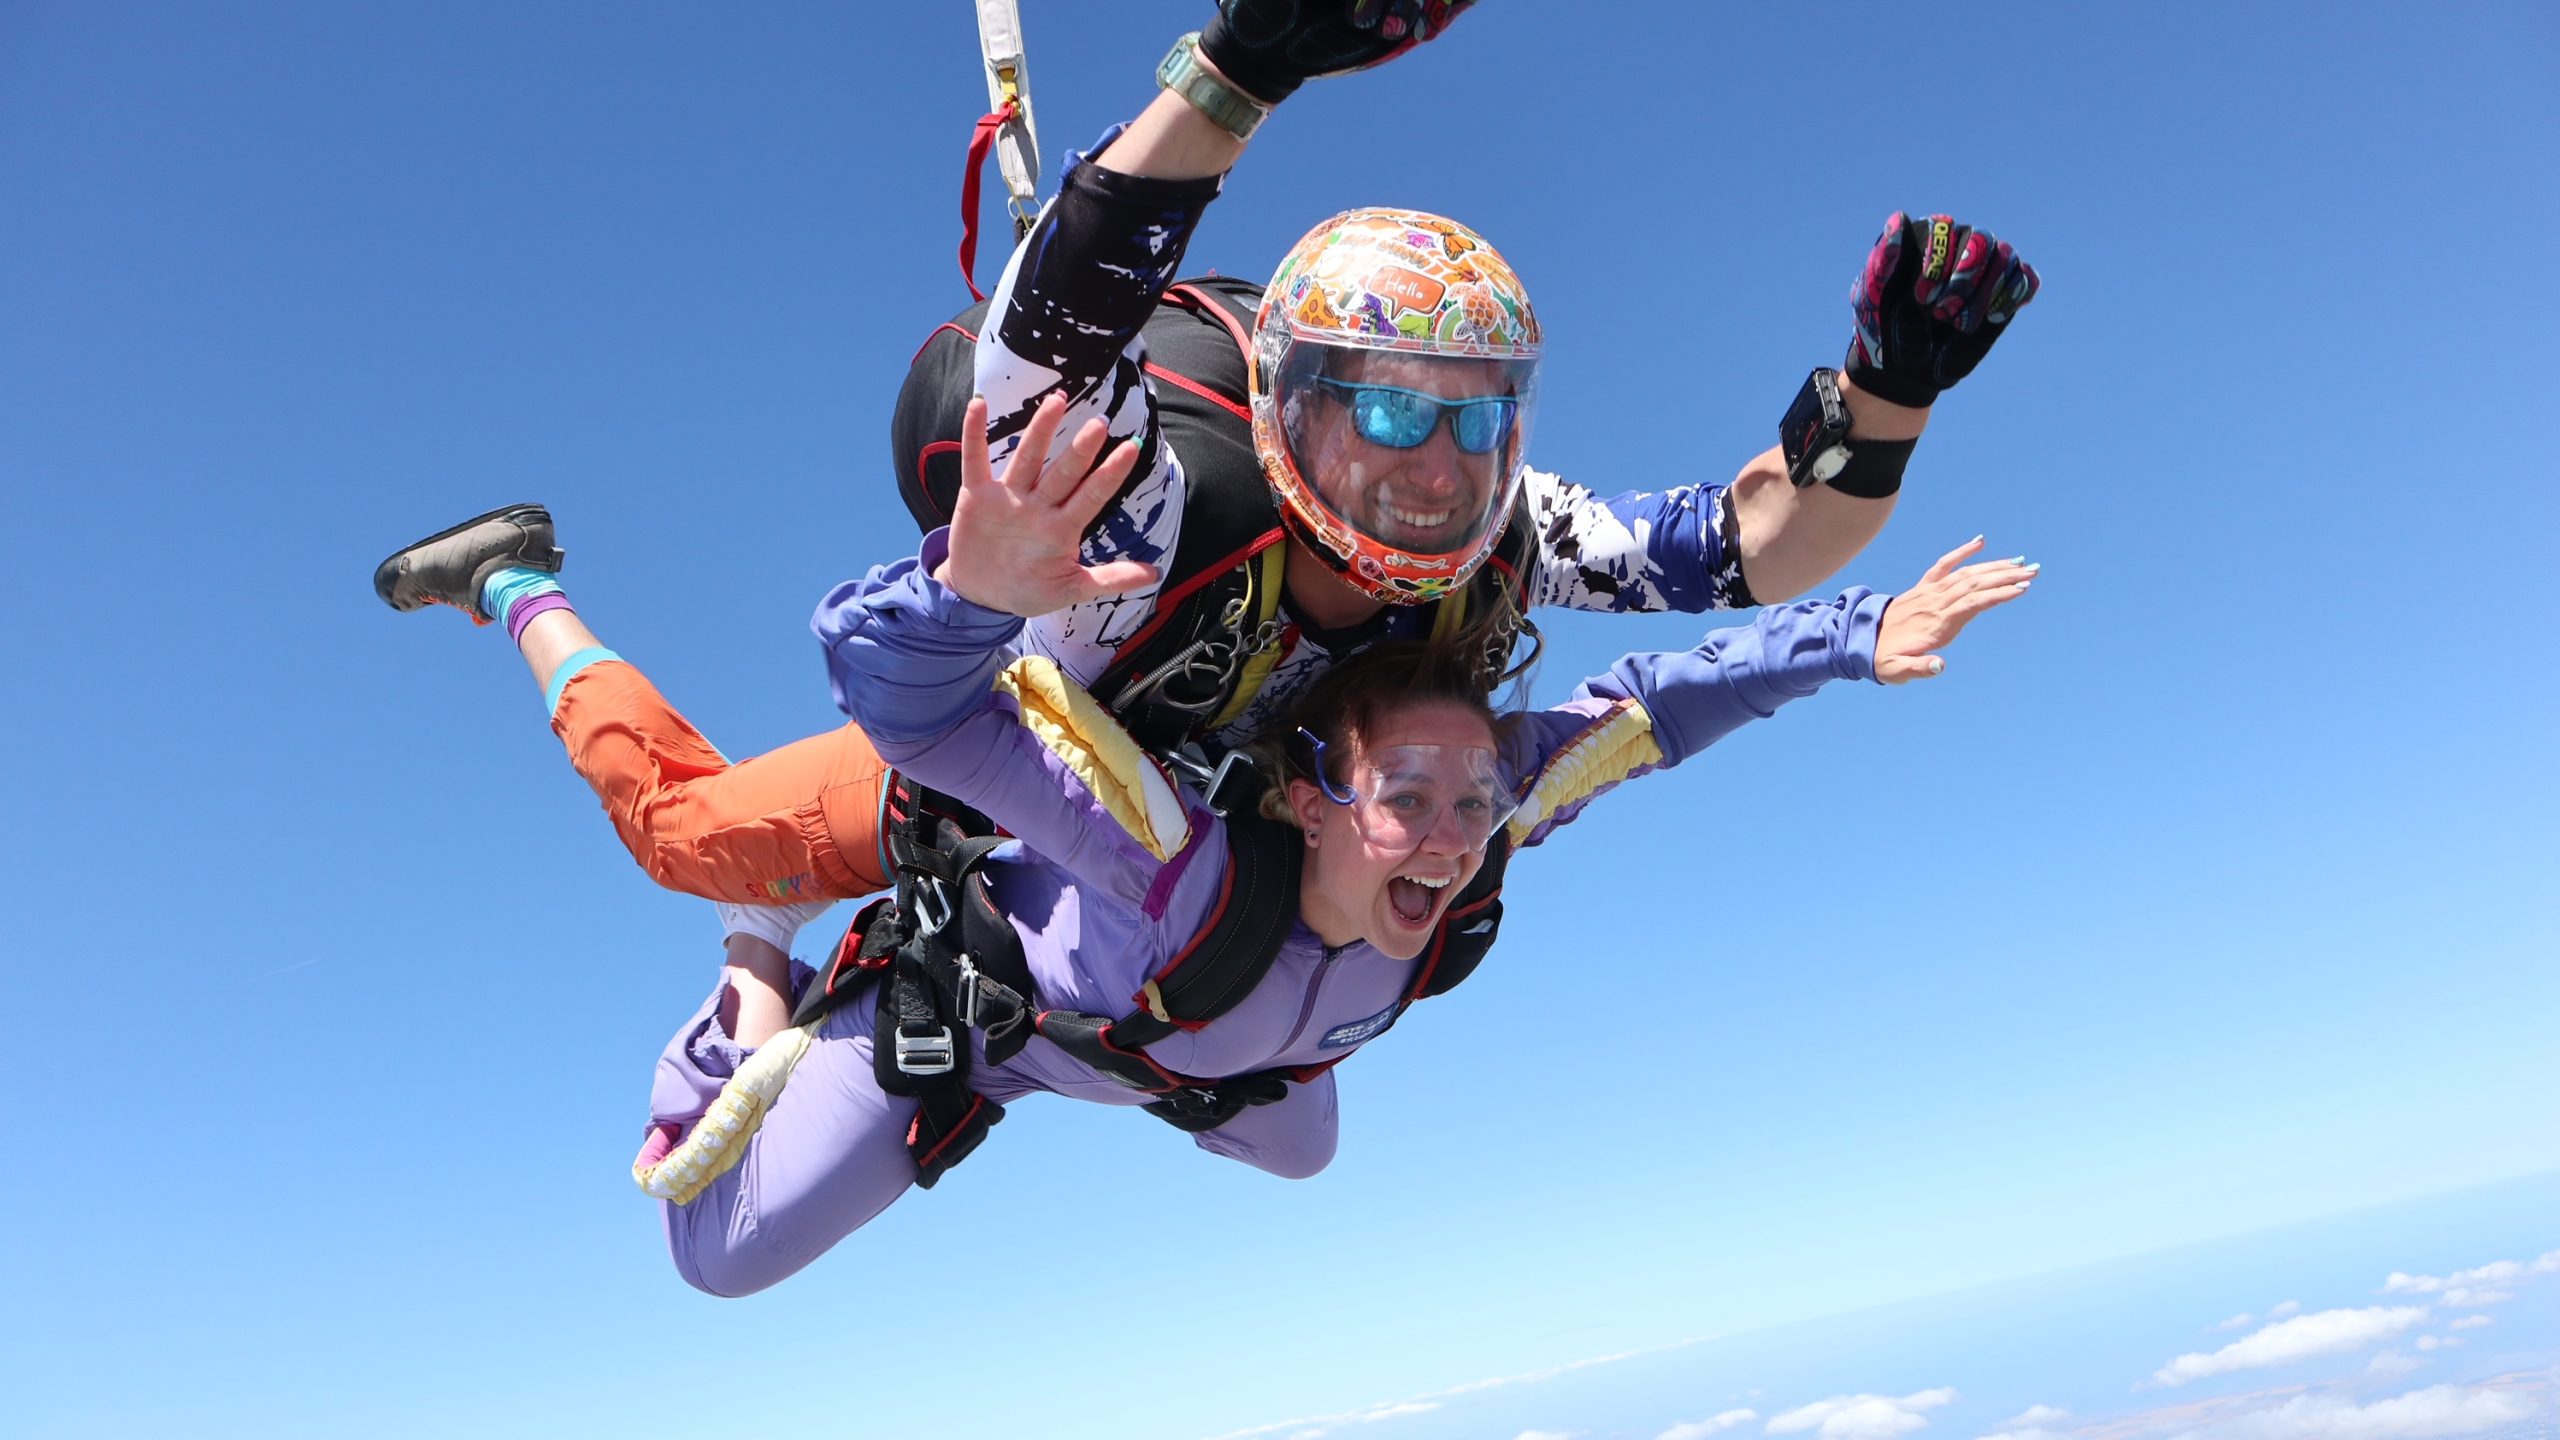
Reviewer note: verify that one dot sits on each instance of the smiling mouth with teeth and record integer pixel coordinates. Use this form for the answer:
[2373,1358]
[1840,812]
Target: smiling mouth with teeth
[1418,519]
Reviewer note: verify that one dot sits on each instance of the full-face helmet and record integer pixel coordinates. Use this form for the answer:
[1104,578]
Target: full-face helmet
[1395,374]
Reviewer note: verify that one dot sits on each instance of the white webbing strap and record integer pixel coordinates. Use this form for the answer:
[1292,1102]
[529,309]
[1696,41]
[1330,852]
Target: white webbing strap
[1009,79]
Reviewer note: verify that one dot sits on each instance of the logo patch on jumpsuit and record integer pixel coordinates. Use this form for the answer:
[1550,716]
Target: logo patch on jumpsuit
[1354,1032]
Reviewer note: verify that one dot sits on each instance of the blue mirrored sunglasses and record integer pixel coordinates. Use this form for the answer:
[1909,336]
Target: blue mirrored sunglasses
[1400,419]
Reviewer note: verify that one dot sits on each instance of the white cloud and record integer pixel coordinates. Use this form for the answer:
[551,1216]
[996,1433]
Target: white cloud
[2438,1342]
[1862,1417]
[2244,1318]
[2032,1424]
[1395,1408]
[2391,1365]
[2328,1332]
[2439,1410]
[1712,1425]
[2468,1322]
[2480,1285]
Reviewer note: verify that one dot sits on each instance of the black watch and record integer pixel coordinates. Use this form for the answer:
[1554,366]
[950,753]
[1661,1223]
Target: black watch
[1814,436]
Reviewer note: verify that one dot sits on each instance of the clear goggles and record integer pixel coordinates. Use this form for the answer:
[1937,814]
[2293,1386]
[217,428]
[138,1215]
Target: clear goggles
[1401,795]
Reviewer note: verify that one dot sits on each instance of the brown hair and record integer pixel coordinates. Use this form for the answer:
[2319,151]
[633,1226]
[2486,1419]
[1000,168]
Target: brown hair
[1353,699]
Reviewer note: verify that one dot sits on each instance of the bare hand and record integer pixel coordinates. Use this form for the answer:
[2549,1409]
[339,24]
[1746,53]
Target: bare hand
[1935,611]
[1015,540]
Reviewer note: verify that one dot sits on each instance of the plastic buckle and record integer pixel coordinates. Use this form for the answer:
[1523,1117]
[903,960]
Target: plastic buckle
[925,1054]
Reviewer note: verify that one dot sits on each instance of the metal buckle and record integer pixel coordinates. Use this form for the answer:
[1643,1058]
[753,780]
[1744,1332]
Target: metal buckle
[1214,797]
[968,1005]
[932,905]
[925,1054]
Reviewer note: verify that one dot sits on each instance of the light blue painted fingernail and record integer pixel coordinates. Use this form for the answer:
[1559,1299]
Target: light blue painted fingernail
[2036,567]
[1937,666]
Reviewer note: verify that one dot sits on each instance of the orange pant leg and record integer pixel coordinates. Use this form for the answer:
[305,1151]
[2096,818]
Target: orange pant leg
[793,824]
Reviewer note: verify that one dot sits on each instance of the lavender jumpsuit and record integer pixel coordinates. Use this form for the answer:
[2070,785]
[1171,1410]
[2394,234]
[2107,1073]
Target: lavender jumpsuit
[1116,868]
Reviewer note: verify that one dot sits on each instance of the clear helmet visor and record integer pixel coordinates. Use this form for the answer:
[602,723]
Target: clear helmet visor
[1402,795]
[1412,453]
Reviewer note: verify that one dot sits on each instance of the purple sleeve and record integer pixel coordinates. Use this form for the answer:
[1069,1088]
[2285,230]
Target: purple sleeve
[1690,699]
[1292,1138]
[908,658]
[914,664]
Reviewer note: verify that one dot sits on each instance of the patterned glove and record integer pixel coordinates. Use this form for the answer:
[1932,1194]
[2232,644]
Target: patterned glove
[1271,47]
[1934,297]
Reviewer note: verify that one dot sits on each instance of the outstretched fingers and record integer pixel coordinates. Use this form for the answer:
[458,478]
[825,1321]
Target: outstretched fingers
[1094,487]
[1935,611]
[1059,474]
[1030,462]
[1948,562]
[976,473]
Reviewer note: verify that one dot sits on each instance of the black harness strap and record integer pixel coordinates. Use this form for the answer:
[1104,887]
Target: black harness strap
[945,968]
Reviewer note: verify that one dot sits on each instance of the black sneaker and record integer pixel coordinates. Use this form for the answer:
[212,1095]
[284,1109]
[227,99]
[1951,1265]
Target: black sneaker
[448,567]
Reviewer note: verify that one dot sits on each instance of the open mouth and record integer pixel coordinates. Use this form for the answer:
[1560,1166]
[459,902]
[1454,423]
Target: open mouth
[1414,898]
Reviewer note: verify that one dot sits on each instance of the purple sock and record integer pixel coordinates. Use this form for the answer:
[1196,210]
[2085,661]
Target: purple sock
[521,613]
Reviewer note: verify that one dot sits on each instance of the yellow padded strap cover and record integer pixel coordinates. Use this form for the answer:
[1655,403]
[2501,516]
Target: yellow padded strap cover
[1128,782]
[1618,746]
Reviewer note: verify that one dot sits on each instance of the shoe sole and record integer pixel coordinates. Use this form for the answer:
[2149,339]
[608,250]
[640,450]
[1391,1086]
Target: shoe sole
[387,575]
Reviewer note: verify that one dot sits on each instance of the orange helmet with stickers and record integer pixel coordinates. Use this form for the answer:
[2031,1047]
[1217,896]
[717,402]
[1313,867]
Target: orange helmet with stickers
[1395,373]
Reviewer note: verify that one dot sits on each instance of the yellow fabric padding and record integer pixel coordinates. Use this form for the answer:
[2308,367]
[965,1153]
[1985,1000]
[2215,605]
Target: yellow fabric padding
[721,1136]
[1130,784]
[1451,618]
[1607,753]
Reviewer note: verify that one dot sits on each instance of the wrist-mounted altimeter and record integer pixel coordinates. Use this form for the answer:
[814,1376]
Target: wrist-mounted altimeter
[1814,436]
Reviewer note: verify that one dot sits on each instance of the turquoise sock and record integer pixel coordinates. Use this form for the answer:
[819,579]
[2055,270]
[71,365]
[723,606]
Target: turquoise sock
[500,592]
[568,671]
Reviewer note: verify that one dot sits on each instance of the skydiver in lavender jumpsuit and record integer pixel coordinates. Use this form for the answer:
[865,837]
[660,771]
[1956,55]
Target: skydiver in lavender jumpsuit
[1116,867]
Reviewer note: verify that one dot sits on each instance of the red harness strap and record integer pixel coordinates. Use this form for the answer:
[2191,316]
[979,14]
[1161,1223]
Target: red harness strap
[980,143]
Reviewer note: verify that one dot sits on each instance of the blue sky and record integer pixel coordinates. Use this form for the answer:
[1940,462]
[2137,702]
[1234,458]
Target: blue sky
[2208,892]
